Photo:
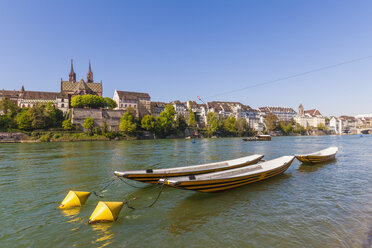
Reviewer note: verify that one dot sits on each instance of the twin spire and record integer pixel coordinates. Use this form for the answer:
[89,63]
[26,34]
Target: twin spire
[72,75]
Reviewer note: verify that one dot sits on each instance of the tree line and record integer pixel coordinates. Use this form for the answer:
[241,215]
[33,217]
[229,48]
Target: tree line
[40,116]
[168,123]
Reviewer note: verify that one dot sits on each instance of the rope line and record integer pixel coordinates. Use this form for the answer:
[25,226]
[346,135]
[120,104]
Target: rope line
[293,76]
[121,179]
[105,187]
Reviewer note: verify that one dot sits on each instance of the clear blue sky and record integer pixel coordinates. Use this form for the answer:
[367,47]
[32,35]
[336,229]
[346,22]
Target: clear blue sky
[182,49]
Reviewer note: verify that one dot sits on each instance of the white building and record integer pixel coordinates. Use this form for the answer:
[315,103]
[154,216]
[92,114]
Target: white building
[335,125]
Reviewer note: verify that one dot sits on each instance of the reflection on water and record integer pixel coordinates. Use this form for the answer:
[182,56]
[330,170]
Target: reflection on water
[304,167]
[195,210]
[71,214]
[103,234]
[325,205]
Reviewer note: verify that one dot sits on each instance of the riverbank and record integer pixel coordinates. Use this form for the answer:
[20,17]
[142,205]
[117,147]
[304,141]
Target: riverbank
[55,136]
[65,136]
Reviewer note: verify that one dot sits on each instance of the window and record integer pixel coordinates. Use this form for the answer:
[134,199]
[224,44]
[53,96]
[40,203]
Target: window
[134,105]
[125,105]
[62,105]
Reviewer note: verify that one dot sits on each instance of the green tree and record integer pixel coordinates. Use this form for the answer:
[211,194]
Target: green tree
[128,123]
[91,101]
[67,125]
[242,128]
[322,127]
[229,125]
[270,121]
[299,129]
[104,127]
[7,122]
[149,123]
[89,124]
[285,127]
[54,116]
[38,116]
[166,120]
[23,120]
[192,119]
[213,123]
[77,102]
[180,124]
[8,107]
[109,103]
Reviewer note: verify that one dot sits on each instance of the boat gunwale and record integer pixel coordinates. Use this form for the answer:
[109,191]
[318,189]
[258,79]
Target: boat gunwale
[139,174]
[242,176]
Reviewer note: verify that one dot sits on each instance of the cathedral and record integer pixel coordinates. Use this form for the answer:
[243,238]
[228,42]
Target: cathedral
[61,99]
[73,88]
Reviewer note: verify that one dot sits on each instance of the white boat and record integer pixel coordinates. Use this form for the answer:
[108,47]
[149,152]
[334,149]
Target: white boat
[153,175]
[233,178]
[319,156]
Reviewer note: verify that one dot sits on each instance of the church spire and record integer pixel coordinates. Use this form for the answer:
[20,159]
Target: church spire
[72,75]
[90,75]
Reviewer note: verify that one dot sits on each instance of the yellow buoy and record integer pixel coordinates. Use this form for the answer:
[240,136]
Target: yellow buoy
[74,199]
[105,212]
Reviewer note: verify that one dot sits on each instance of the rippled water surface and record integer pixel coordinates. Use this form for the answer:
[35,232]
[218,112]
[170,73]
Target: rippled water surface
[328,205]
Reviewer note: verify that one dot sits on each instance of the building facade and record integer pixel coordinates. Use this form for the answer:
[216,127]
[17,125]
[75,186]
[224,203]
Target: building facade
[309,118]
[283,113]
[141,102]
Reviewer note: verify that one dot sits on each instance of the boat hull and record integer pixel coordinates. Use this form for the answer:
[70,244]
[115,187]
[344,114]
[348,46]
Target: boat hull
[153,178]
[218,185]
[315,159]
[322,156]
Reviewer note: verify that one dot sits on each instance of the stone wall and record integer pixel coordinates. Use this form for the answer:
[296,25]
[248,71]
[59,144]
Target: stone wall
[12,137]
[112,117]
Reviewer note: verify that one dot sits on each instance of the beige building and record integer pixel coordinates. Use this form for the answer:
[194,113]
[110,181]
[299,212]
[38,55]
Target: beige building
[141,102]
[283,113]
[309,118]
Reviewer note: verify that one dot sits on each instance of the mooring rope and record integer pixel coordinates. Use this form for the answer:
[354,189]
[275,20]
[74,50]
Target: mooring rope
[105,187]
[121,179]
[126,201]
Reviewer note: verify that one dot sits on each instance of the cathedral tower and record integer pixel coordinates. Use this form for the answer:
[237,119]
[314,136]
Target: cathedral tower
[90,75]
[72,75]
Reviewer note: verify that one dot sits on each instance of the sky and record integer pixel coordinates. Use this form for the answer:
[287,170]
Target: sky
[178,50]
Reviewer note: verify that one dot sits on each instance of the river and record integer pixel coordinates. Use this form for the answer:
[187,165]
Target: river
[328,205]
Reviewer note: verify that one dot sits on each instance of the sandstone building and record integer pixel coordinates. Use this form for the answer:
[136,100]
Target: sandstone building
[141,102]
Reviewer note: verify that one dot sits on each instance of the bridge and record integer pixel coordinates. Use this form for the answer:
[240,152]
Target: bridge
[365,130]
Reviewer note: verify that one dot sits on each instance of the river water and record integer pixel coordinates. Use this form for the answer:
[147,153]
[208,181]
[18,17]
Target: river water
[328,205]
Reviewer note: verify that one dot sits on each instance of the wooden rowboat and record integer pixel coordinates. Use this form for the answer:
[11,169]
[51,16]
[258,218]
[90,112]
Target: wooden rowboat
[319,157]
[153,175]
[224,180]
